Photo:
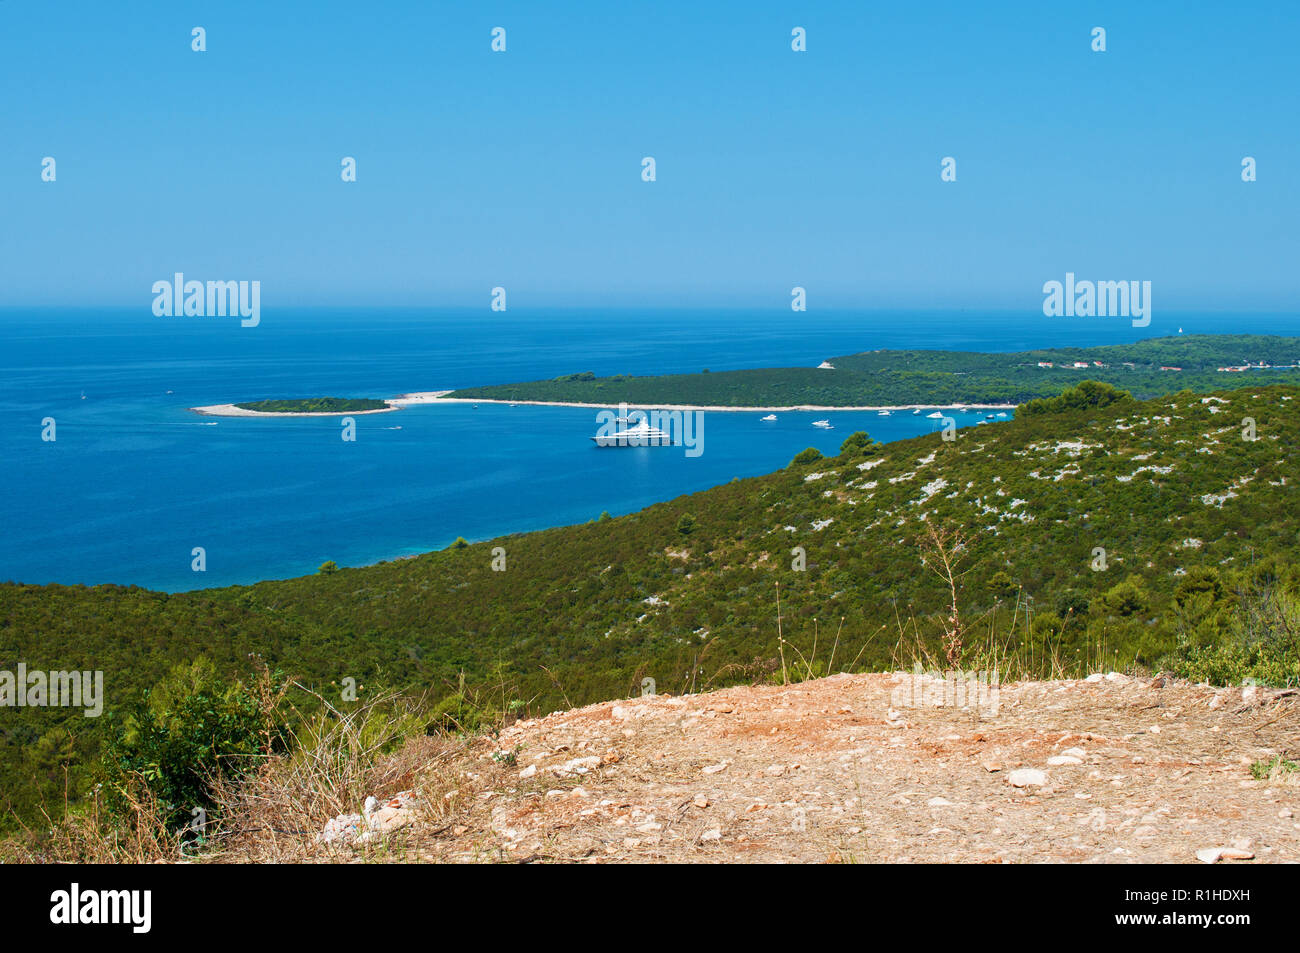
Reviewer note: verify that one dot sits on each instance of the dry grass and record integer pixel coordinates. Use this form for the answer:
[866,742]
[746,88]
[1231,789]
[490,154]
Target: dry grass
[337,760]
[89,835]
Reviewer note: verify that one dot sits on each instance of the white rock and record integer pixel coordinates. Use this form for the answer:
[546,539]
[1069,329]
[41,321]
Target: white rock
[576,766]
[529,771]
[343,827]
[1061,759]
[1210,855]
[1026,777]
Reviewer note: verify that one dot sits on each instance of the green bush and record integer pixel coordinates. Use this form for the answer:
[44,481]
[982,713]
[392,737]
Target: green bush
[856,444]
[188,730]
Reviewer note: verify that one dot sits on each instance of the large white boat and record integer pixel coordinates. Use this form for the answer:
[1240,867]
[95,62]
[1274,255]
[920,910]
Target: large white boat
[823,424]
[935,416]
[638,435]
[768,417]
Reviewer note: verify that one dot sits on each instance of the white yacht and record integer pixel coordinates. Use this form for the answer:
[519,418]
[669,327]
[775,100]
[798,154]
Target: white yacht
[768,417]
[935,416]
[638,435]
[823,424]
[883,413]
[915,412]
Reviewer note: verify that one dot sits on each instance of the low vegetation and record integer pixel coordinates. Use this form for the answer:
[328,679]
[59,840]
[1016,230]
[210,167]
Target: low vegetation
[315,405]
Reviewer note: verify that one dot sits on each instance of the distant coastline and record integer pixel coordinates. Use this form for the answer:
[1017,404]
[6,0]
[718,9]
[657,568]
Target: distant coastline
[425,398]
[430,397]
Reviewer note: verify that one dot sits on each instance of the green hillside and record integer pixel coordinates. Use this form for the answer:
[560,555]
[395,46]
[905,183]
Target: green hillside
[936,378]
[1199,528]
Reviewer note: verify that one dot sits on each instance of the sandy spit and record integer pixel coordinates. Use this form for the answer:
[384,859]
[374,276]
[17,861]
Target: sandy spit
[439,396]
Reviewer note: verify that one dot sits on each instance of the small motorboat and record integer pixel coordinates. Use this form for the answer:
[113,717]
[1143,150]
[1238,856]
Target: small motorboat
[935,416]
[768,417]
[823,424]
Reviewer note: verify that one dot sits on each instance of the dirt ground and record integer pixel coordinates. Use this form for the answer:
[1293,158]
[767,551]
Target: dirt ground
[844,769]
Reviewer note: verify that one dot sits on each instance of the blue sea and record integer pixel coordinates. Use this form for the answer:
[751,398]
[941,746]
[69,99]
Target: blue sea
[135,480]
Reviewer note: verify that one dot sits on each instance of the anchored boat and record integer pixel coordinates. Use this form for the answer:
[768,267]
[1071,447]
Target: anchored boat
[638,435]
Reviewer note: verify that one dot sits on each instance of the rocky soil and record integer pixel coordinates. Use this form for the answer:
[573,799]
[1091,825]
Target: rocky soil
[1109,769]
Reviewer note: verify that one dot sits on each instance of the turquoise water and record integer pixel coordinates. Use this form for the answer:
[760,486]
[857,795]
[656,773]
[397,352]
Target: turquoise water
[135,480]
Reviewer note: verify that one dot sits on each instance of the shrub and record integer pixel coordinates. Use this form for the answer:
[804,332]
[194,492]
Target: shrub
[191,729]
[811,455]
[1085,395]
[1071,602]
[856,444]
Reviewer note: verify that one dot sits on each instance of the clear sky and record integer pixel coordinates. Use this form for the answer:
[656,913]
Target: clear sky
[774,168]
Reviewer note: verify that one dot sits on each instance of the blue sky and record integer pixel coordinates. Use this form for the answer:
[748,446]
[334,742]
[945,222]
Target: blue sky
[775,168]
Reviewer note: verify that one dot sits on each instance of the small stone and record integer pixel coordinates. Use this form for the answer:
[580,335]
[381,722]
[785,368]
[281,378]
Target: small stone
[714,834]
[939,802]
[1026,777]
[701,801]
[992,766]
[528,772]
[715,768]
[576,766]
[1062,759]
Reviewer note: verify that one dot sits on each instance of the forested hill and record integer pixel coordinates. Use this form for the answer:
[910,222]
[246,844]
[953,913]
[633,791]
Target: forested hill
[936,378]
[1151,534]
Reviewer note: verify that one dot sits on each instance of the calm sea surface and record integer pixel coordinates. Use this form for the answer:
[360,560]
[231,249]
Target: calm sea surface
[135,480]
